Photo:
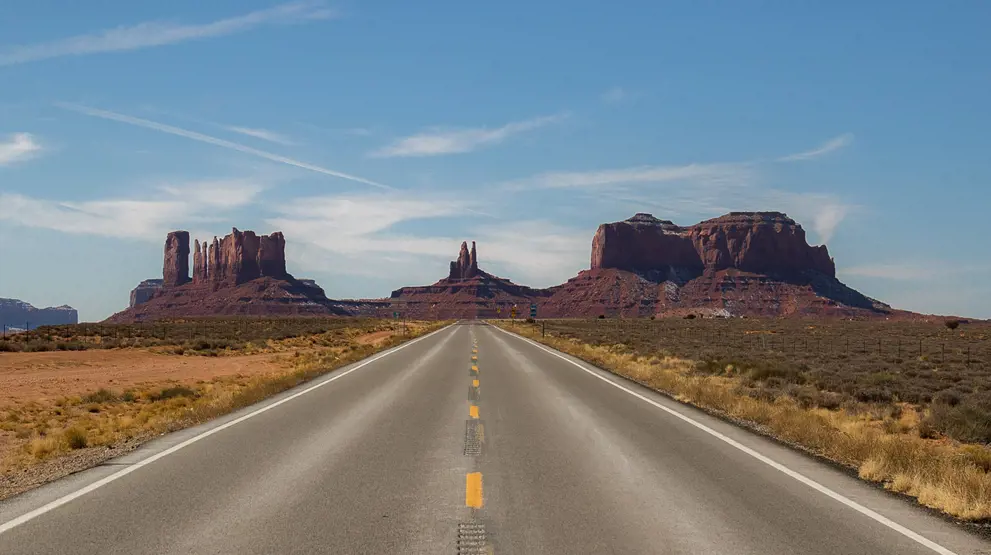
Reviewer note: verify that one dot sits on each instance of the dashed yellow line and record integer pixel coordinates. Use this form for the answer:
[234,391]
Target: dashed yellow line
[473,411]
[474,358]
[473,490]
[474,368]
[474,383]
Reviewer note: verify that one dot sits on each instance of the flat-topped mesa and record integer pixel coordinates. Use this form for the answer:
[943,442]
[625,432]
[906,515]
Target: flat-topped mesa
[759,242]
[466,266]
[643,243]
[175,269]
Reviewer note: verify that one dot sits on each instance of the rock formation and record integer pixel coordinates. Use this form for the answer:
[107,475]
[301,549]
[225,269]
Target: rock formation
[742,263]
[17,314]
[145,291]
[466,266]
[467,292]
[762,242]
[272,254]
[242,273]
[243,256]
[199,262]
[175,270]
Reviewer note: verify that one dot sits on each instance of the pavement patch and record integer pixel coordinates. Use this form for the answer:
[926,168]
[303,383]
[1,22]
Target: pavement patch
[474,437]
[471,538]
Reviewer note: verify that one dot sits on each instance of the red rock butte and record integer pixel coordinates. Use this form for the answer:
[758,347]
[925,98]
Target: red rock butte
[241,273]
[760,242]
[739,264]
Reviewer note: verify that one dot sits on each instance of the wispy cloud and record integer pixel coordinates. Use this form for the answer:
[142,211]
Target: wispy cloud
[710,173]
[356,224]
[900,271]
[172,130]
[264,134]
[831,145]
[159,33]
[18,148]
[362,235]
[176,205]
[538,253]
[618,95]
[439,141]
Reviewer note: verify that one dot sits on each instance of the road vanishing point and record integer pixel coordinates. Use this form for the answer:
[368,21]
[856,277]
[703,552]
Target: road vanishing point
[470,440]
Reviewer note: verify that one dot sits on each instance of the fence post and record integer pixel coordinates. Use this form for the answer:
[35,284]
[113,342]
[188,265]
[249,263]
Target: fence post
[942,356]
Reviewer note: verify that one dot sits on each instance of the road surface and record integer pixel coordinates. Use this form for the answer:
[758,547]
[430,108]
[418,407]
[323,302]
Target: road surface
[414,451]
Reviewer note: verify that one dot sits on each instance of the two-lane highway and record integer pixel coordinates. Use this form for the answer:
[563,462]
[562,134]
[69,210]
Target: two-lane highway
[469,440]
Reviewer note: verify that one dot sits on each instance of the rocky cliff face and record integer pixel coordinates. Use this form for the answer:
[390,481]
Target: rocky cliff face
[175,270]
[17,314]
[760,242]
[145,291]
[466,266]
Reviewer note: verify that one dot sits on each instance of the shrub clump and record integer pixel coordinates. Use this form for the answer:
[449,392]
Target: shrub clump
[173,392]
[76,438]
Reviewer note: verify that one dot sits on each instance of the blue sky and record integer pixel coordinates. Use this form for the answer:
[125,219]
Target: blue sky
[379,135]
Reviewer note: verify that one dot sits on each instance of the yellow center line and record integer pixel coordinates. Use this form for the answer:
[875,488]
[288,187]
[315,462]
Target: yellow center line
[474,357]
[473,411]
[474,368]
[473,490]
[474,383]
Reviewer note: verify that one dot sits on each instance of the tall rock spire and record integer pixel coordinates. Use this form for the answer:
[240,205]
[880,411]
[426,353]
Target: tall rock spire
[175,269]
[473,261]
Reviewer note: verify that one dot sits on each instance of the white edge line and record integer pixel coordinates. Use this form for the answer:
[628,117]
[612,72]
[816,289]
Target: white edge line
[144,462]
[766,460]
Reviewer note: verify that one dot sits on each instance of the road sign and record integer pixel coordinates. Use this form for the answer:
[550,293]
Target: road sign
[533,311]
[513,312]
[498,311]
[395,315]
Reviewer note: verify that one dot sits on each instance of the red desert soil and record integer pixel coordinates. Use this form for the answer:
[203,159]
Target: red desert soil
[48,376]
[375,338]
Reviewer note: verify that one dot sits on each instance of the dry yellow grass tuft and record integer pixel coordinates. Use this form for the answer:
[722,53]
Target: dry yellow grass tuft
[882,444]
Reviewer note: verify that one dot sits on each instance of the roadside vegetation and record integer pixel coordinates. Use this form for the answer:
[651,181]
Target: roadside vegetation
[37,432]
[863,394]
[199,336]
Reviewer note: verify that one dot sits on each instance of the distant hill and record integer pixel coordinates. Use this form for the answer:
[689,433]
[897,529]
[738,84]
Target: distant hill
[17,314]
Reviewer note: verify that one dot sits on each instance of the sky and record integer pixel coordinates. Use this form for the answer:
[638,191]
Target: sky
[378,135]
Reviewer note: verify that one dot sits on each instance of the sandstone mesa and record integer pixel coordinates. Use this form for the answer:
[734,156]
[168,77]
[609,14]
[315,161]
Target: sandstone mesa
[739,264]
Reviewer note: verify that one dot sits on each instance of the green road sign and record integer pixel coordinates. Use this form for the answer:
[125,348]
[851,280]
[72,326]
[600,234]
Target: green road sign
[533,311]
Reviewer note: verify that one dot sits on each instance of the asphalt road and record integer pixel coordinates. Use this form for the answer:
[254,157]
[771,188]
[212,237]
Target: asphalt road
[388,456]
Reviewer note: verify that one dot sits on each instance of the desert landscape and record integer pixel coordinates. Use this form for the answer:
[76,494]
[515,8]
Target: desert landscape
[903,404]
[73,396]
[738,315]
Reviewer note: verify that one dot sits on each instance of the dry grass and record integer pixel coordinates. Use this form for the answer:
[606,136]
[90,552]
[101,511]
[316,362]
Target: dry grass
[34,431]
[881,441]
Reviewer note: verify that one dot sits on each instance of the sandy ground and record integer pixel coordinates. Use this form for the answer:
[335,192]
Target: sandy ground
[49,376]
[375,338]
